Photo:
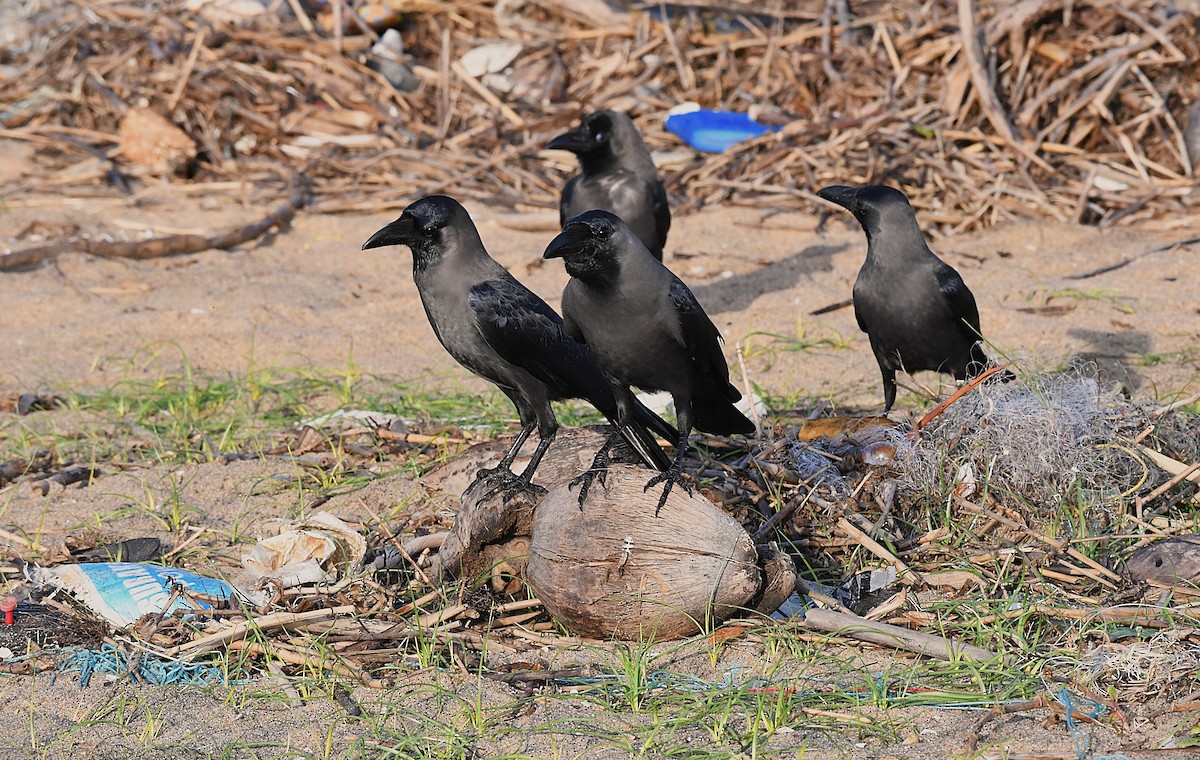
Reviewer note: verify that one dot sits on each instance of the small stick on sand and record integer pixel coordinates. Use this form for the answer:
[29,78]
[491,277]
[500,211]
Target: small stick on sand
[265,623]
[848,529]
[883,634]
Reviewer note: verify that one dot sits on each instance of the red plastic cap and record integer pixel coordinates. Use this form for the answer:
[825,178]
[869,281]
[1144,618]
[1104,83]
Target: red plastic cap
[7,605]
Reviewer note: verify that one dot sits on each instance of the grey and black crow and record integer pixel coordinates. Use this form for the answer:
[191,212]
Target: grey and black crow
[915,308]
[645,329]
[497,328]
[617,175]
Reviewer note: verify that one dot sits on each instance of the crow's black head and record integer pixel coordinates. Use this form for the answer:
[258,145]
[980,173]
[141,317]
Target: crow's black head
[876,207]
[429,226]
[592,137]
[601,125]
[605,139]
[592,244]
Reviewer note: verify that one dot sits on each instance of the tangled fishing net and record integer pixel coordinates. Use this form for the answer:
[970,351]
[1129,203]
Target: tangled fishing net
[1166,662]
[1038,442]
[1042,439]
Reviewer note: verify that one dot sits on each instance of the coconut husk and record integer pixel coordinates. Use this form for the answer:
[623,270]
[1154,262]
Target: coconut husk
[613,569]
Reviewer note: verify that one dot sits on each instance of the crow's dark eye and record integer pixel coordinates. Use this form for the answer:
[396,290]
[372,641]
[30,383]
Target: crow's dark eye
[604,232]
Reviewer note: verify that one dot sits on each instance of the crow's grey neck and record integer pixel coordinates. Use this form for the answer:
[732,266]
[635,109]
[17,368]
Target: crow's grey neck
[900,244]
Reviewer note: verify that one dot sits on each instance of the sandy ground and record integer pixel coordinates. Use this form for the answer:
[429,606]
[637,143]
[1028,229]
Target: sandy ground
[307,296]
[310,295]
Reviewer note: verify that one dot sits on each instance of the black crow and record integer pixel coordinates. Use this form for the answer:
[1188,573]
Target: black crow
[617,175]
[500,330]
[645,329]
[915,308]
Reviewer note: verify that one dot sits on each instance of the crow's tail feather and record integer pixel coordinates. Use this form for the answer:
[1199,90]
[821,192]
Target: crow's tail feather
[641,436]
[654,423]
[720,417]
[646,445]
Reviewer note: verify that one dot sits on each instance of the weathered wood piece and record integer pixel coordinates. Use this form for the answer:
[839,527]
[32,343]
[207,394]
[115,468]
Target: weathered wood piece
[779,578]
[486,533]
[167,245]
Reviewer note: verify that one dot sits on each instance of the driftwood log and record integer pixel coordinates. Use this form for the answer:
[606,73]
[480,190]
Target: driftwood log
[614,570]
[166,245]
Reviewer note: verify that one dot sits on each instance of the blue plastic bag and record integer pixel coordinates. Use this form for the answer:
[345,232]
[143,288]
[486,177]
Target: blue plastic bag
[714,131]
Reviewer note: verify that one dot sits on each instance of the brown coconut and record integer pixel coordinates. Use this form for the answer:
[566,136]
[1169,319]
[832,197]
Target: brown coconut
[614,570]
[488,533]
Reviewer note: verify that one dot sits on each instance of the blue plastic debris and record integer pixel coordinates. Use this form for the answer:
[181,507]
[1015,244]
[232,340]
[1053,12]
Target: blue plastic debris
[121,592]
[149,668]
[714,131]
[1077,704]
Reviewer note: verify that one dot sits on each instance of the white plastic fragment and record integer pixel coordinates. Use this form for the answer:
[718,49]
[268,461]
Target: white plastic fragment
[310,552]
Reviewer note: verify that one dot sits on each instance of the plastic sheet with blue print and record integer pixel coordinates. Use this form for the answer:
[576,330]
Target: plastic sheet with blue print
[122,592]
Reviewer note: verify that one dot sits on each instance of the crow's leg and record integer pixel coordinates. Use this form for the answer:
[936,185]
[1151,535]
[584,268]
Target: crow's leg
[889,387]
[598,470]
[537,408]
[674,474]
[512,484]
[506,461]
[626,403]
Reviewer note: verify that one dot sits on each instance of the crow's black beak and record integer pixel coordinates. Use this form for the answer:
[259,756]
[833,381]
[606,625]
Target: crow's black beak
[574,238]
[399,232]
[576,141]
[842,195]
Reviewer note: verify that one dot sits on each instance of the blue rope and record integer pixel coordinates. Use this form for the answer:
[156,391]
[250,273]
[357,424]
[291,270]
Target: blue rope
[150,669]
[1068,701]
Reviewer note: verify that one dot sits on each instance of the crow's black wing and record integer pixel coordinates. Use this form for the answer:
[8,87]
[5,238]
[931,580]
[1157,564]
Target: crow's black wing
[700,337]
[958,297]
[525,331]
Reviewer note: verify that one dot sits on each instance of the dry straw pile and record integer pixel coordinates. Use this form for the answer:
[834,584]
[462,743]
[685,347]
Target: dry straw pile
[1074,110]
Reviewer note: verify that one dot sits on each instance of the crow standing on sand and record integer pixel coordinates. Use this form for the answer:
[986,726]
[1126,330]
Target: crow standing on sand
[500,330]
[617,175]
[914,307]
[645,328]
